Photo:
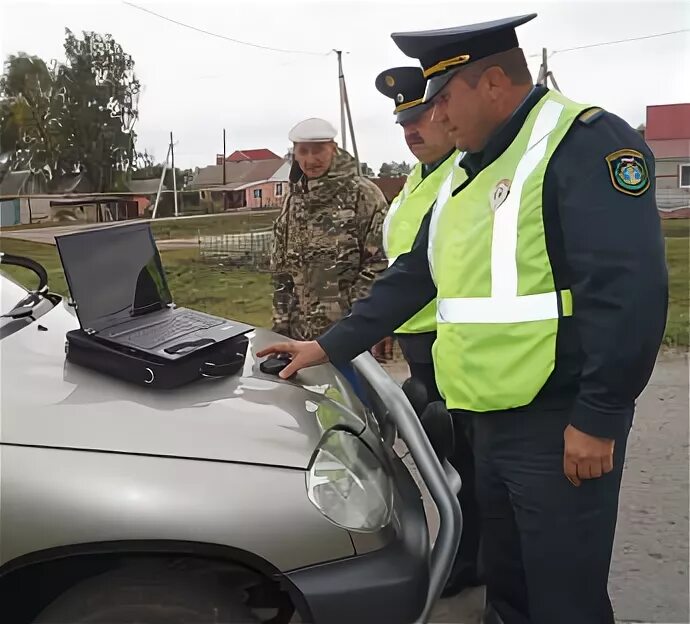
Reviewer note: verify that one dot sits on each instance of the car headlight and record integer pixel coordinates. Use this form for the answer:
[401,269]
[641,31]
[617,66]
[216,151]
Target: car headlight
[348,484]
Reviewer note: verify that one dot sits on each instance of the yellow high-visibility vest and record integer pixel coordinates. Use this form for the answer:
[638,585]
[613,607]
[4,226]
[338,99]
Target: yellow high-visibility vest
[402,224]
[498,309]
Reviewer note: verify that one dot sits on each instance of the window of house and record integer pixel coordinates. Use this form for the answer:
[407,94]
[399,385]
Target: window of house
[257,193]
[203,194]
[684,176]
[279,189]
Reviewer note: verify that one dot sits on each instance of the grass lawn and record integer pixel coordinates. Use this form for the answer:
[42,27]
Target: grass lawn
[191,227]
[231,293]
[44,254]
[246,295]
[206,226]
[678,259]
[676,227]
[27,226]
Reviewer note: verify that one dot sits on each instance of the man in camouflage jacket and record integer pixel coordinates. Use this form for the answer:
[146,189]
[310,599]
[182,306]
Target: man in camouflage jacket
[327,243]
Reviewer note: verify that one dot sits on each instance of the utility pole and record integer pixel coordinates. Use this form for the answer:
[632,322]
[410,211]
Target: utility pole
[543,68]
[225,196]
[172,155]
[341,81]
[352,130]
[160,182]
[545,73]
[345,111]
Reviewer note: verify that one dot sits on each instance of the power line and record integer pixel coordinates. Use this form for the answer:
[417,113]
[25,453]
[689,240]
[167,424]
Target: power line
[212,34]
[605,43]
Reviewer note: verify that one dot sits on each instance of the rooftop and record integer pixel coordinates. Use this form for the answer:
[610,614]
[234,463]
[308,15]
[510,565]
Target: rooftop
[237,174]
[253,154]
[147,186]
[390,187]
[668,121]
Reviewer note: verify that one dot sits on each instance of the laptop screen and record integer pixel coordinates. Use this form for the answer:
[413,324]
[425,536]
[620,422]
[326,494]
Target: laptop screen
[114,274]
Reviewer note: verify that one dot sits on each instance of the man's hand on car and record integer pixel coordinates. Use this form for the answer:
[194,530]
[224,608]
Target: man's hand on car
[303,354]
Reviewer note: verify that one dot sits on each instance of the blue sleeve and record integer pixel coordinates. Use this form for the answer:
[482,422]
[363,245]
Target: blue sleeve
[397,295]
[614,253]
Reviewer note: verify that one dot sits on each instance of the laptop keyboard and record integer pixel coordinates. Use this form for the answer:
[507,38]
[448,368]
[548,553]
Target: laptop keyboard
[179,325]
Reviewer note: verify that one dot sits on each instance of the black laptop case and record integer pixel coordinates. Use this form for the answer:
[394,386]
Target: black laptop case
[225,358]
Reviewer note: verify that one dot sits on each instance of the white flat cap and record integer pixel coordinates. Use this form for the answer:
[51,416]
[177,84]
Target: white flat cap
[312,130]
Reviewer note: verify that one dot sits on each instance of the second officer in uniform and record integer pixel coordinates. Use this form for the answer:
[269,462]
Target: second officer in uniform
[435,150]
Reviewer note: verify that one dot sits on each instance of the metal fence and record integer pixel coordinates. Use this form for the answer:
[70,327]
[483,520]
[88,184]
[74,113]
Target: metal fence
[671,199]
[248,249]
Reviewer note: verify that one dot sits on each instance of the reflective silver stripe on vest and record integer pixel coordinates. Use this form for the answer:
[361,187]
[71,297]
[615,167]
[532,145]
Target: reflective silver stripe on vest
[441,200]
[442,197]
[494,310]
[389,217]
[505,305]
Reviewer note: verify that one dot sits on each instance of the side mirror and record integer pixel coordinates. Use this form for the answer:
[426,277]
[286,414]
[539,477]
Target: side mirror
[438,425]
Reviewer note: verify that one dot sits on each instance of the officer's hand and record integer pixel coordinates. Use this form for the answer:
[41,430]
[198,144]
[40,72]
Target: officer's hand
[586,456]
[383,350]
[304,354]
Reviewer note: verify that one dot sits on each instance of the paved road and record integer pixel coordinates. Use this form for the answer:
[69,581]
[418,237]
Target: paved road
[47,234]
[649,575]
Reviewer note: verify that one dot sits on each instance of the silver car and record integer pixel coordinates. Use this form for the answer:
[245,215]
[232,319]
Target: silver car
[249,499]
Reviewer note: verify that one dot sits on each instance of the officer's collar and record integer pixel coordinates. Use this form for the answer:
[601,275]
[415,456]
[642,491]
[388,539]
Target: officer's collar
[504,135]
[427,170]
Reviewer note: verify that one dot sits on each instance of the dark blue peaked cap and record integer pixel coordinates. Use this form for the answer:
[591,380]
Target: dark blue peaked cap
[442,52]
[405,86]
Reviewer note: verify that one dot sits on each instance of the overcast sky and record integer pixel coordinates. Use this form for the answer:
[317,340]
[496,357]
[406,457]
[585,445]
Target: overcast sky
[195,84]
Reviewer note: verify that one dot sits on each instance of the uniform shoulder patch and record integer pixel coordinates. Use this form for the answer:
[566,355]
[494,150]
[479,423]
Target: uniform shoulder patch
[590,115]
[628,171]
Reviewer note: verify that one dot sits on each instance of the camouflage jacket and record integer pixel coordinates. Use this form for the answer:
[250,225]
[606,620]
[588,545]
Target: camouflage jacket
[327,248]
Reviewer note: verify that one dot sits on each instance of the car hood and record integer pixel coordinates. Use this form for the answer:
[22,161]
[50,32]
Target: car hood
[251,417]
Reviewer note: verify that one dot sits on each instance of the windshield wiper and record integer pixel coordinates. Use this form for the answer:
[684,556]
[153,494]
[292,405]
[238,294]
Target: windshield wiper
[26,306]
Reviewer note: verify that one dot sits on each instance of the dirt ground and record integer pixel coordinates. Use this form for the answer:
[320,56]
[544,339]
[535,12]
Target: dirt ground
[649,574]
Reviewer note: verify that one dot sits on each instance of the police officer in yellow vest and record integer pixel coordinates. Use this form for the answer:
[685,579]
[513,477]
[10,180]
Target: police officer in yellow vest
[545,253]
[435,150]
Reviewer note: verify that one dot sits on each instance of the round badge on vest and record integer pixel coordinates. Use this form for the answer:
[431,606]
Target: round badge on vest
[499,194]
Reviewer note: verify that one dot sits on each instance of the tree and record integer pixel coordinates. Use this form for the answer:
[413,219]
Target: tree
[102,94]
[154,171]
[187,176]
[31,114]
[73,118]
[4,165]
[144,160]
[403,169]
[385,171]
[367,170]
[394,170]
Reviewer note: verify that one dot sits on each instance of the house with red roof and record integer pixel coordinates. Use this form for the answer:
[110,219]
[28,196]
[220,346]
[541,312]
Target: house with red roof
[667,132]
[251,155]
[241,183]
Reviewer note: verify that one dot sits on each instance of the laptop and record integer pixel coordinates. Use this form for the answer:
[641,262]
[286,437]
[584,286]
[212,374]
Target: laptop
[121,294]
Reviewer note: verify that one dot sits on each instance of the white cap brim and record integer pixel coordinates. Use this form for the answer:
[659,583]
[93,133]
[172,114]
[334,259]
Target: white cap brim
[313,130]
